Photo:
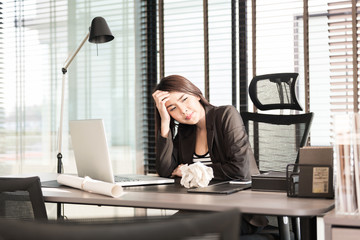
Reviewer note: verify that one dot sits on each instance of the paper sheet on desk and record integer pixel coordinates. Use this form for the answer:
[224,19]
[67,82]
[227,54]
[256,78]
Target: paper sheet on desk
[91,185]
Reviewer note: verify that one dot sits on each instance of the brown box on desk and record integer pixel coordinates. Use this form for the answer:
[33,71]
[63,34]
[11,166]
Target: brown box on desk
[269,181]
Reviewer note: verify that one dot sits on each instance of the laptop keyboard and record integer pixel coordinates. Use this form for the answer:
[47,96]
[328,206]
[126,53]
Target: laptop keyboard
[125,179]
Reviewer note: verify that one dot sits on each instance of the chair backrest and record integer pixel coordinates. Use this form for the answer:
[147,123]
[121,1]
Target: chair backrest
[276,139]
[274,91]
[220,225]
[21,198]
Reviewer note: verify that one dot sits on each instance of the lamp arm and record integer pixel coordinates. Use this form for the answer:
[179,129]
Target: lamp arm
[59,156]
[73,55]
[64,71]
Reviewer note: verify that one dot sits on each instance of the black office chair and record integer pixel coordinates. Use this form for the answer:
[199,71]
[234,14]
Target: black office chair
[217,225]
[21,198]
[277,138]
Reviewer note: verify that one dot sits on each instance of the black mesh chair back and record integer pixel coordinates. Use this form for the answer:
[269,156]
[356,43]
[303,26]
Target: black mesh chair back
[274,91]
[276,139]
[21,198]
[218,225]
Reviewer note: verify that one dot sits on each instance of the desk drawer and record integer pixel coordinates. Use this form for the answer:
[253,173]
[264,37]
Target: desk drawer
[341,233]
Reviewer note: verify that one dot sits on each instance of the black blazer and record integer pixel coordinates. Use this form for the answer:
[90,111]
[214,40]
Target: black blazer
[229,148]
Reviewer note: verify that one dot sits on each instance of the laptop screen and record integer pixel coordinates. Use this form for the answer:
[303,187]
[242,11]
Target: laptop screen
[93,159]
[91,150]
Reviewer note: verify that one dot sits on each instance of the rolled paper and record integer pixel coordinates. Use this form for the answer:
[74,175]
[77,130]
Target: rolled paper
[90,185]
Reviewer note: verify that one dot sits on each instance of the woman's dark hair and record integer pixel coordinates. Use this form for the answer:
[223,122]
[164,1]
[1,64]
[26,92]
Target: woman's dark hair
[176,83]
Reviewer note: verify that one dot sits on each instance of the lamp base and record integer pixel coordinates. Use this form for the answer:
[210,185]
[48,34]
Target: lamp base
[59,163]
[59,170]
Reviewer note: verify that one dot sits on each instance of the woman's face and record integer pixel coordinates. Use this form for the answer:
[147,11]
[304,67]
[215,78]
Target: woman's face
[185,108]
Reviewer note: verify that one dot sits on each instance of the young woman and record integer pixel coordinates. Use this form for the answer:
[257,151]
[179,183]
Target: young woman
[190,129]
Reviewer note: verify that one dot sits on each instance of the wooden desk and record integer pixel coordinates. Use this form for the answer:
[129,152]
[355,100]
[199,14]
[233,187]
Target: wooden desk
[174,196]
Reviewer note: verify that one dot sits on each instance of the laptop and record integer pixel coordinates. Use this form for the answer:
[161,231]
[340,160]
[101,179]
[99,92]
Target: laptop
[93,159]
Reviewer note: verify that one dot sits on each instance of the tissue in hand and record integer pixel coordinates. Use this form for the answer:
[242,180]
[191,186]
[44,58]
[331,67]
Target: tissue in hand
[196,175]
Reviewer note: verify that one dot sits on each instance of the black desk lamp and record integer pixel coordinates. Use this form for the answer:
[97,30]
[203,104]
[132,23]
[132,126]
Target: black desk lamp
[99,32]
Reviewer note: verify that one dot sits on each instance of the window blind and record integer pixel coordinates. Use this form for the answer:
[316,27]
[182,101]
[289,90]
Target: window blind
[37,38]
[280,48]
[32,41]
[184,40]
[220,52]
[343,56]
[274,35]
[102,81]
[184,45]
[319,64]
[2,110]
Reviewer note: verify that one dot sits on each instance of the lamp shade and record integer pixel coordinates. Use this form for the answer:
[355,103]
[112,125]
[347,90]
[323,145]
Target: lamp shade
[100,31]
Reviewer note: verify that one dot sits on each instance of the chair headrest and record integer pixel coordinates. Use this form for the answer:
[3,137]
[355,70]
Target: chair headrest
[274,91]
